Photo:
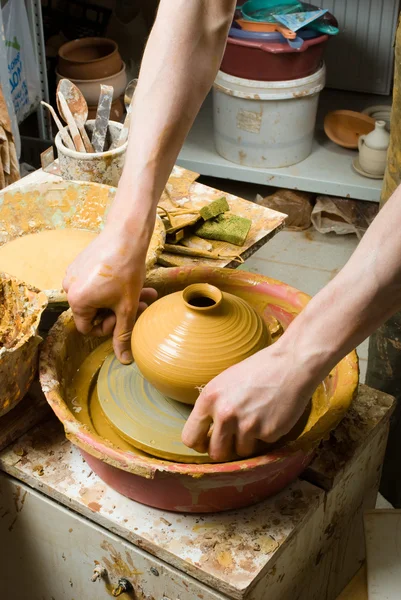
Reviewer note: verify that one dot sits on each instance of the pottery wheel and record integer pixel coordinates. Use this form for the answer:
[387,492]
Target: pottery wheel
[142,415]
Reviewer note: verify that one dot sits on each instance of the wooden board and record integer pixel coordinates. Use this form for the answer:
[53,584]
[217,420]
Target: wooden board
[383,551]
[184,192]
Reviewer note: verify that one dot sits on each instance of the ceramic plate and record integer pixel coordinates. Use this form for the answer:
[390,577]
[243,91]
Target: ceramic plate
[358,169]
[141,415]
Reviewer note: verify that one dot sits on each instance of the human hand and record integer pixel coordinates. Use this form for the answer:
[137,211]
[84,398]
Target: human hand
[259,399]
[109,274]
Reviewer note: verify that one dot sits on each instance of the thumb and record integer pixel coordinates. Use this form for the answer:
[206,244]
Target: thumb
[122,333]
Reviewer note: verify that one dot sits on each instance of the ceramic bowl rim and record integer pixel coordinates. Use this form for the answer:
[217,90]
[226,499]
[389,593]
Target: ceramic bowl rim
[78,43]
[102,80]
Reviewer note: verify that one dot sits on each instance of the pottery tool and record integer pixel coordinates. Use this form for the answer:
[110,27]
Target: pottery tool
[65,136]
[102,117]
[142,415]
[185,251]
[61,101]
[78,107]
[129,92]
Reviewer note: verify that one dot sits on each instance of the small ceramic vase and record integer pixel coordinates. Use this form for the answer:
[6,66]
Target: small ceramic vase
[185,339]
[373,149]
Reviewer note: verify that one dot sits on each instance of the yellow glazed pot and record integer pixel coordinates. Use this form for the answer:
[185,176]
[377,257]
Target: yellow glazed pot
[185,339]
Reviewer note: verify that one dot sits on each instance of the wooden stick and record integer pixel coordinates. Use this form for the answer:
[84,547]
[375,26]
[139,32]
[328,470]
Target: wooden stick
[65,136]
[79,145]
[184,251]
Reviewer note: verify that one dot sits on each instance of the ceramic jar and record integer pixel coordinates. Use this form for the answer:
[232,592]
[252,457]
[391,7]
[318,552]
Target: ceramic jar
[373,149]
[185,339]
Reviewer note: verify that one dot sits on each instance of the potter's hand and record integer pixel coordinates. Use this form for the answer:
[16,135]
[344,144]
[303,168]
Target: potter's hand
[260,398]
[109,274]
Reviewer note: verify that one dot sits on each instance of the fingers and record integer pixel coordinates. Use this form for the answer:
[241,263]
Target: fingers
[221,445]
[245,442]
[148,295]
[122,333]
[83,318]
[196,429]
[105,327]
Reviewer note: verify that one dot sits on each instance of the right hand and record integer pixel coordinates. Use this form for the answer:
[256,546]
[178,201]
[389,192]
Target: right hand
[109,275]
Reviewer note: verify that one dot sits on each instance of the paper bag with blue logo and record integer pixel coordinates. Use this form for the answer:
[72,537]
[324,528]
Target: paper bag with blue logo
[22,68]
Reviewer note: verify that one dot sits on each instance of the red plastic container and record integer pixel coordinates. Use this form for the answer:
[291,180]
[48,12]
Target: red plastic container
[272,61]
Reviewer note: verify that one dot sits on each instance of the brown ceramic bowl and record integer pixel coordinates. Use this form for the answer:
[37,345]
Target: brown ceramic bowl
[343,127]
[89,58]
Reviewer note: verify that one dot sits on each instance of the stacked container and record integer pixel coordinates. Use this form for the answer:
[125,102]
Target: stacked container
[266,93]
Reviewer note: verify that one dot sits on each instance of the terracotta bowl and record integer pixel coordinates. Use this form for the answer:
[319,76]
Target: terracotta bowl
[194,487]
[59,205]
[343,127]
[90,88]
[89,58]
[21,309]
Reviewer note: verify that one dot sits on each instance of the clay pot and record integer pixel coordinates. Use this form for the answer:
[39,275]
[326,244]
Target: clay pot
[90,88]
[89,58]
[184,340]
[343,127]
[373,149]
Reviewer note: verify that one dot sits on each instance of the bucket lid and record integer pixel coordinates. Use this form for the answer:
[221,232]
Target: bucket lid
[251,89]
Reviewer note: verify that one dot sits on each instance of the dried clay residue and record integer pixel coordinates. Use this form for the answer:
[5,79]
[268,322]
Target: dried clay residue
[20,309]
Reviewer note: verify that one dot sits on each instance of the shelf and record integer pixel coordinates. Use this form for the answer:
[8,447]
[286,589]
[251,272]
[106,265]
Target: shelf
[328,170]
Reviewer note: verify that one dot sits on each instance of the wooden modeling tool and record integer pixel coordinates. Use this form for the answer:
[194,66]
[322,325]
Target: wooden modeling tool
[65,136]
[78,143]
[78,107]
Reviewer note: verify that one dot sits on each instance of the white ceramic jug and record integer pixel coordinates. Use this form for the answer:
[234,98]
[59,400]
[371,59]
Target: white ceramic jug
[373,149]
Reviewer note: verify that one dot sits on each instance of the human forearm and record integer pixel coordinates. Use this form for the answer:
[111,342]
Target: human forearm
[179,65]
[365,293]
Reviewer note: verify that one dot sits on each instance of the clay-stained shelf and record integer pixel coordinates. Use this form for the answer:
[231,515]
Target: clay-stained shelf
[328,170]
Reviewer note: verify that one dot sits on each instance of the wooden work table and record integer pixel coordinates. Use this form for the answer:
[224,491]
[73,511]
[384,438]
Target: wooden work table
[60,521]
[66,536]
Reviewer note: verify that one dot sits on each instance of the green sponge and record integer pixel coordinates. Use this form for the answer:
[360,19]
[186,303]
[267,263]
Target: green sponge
[225,228]
[214,208]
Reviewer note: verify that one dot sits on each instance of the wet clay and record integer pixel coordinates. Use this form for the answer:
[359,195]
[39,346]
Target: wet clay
[142,415]
[185,339]
[41,259]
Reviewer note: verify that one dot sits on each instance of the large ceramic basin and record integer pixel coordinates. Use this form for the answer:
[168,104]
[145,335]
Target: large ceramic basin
[195,487]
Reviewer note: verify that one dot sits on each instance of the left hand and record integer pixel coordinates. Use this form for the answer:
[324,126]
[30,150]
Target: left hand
[259,399]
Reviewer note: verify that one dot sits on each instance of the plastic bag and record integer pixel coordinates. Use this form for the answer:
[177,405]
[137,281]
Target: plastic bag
[297,205]
[343,216]
[22,68]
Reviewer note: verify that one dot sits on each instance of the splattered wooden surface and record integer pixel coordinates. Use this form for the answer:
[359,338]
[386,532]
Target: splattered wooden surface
[183,191]
[233,551]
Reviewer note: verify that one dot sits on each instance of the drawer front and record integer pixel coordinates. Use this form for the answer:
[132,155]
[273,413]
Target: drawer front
[50,553]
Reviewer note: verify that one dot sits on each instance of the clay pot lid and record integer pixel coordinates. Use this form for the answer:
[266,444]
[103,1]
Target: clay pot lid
[343,127]
[89,42]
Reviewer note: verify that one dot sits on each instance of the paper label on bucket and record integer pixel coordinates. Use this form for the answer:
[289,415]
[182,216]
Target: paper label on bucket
[249,121]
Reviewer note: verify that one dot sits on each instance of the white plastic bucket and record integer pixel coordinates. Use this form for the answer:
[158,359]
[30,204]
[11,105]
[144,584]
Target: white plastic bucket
[265,123]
